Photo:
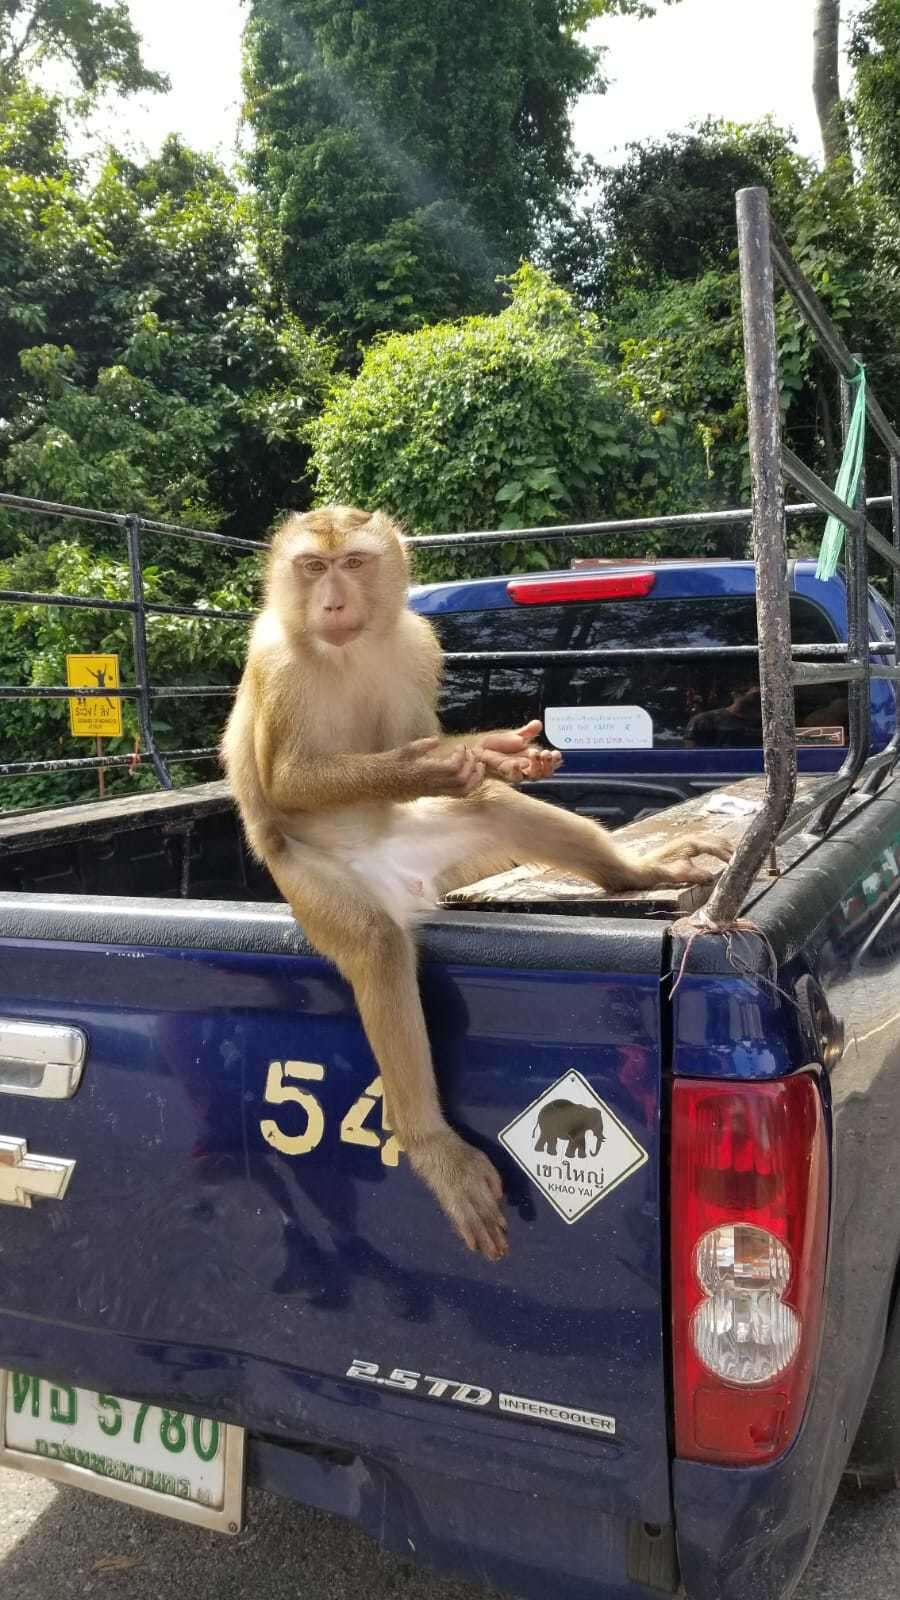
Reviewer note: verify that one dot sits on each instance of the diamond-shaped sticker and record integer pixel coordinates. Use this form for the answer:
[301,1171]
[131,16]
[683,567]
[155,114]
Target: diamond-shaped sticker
[572,1146]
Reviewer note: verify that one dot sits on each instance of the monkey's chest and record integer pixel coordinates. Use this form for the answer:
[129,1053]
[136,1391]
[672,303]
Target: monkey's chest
[378,723]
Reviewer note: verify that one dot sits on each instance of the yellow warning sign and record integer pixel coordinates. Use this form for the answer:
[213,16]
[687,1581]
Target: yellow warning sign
[94,717]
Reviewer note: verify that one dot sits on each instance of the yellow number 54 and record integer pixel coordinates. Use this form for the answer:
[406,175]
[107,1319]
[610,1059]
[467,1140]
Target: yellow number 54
[281,1090]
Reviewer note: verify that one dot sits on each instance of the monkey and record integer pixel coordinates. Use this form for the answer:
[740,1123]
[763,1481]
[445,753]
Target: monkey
[365,814]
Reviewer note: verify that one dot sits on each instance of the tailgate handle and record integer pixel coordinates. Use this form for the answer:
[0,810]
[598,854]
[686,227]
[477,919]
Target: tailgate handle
[41,1059]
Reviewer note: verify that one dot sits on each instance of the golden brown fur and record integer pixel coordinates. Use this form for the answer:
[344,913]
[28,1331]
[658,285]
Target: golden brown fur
[365,814]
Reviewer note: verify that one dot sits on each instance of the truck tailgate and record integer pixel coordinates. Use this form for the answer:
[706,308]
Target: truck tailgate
[241,1237]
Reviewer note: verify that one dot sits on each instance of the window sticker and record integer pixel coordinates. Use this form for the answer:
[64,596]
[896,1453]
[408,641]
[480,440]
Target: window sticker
[599,727]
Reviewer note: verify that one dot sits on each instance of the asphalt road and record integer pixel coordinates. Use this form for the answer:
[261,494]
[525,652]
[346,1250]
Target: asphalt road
[58,1542]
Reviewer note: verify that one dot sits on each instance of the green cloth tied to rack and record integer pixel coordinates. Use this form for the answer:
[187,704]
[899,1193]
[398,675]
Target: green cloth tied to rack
[847,479]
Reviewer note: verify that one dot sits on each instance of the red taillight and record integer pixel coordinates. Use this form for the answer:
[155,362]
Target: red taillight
[749,1226]
[546,591]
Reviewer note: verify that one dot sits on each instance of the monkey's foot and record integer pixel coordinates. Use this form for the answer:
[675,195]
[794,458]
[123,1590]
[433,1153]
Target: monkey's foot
[466,1186]
[675,863]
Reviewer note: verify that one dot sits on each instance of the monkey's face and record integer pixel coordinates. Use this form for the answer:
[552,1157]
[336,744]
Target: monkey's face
[337,592]
[336,573]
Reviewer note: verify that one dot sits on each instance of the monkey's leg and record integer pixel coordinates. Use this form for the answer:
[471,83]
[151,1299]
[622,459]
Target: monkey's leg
[345,921]
[499,824]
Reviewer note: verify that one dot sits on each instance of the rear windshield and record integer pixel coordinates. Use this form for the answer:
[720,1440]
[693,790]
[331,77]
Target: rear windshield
[690,703]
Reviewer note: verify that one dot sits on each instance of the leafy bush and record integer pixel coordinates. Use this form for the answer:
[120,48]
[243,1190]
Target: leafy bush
[506,421]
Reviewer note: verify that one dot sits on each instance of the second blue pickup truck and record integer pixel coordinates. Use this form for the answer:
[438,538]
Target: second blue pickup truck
[217,1270]
[704,715]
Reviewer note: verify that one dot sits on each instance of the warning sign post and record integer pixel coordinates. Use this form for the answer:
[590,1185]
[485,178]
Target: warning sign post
[94,717]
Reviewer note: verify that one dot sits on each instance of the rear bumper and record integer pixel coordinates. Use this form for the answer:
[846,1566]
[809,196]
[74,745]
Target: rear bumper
[533,1545]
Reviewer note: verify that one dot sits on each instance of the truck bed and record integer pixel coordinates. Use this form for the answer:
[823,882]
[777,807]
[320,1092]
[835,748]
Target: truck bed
[188,844]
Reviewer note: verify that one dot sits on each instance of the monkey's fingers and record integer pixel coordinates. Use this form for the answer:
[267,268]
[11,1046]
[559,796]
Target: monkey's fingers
[542,763]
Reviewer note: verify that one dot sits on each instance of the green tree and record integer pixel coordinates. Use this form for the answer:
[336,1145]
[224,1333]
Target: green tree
[875,53]
[667,212]
[662,273]
[141,363]
[96,39]
[405,153]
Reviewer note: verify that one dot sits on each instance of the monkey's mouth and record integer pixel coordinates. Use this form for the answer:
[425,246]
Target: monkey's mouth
[341,633]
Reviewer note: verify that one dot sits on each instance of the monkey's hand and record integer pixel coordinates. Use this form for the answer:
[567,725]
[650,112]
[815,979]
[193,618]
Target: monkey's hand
[467,1188]
[424,770]
[512,757]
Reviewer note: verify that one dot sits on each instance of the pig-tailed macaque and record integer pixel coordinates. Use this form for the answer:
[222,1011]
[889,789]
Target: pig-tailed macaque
[365,815]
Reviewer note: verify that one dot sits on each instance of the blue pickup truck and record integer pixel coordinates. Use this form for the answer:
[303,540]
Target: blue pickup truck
[227,1275]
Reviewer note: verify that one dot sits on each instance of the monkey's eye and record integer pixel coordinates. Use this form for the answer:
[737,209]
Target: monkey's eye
[354,561]
[314,567]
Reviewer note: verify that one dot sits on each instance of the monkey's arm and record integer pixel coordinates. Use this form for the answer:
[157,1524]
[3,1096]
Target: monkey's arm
[307,783]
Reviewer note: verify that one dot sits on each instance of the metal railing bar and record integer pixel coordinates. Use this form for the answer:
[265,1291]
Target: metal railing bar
[891,673]
[859,698]
[34,597]
[139,646]
[116,519]
[892,752]
[51,508]
[175,691]
[740,516]
[860,707]
[805,478]
[576,530]
[851,672]
[827,334]
[828,789]
[204,614]
[26,769]
[769,548]
[538,659]
[541,658]
[12,691]
[203,535]
[185,691]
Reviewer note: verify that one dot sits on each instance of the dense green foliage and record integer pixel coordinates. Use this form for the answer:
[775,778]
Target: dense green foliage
[406,154]
[34,641]
[140,363]
[875,52]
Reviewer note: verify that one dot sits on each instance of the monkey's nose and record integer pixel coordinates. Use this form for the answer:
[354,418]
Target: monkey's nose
[334,605]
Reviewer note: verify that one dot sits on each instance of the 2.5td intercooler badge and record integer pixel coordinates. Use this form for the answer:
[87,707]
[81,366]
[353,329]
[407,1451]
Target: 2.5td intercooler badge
[572,1146]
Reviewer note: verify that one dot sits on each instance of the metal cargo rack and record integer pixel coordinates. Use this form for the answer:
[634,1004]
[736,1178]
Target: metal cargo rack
[782,666]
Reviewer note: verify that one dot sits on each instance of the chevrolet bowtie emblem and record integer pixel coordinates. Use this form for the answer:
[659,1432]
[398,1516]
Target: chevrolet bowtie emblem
[23,1176]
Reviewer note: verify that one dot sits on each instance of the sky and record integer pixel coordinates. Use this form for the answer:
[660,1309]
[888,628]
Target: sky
[739,59]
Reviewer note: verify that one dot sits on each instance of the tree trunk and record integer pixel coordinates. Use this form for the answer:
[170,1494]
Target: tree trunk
[826,80]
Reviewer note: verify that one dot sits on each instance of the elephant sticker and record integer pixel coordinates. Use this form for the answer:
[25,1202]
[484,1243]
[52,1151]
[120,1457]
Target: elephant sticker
[566,1119]
[573,1146]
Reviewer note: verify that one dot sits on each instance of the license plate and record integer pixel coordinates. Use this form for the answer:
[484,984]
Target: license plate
[180,1465]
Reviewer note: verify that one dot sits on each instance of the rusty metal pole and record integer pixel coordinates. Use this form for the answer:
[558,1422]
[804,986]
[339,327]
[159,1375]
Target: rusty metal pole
[772,597]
